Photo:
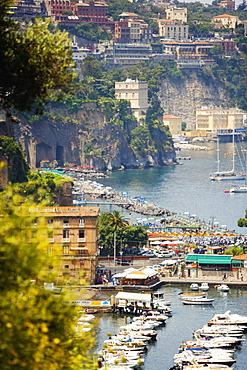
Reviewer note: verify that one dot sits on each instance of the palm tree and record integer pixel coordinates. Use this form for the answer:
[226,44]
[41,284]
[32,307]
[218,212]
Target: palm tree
[116,221]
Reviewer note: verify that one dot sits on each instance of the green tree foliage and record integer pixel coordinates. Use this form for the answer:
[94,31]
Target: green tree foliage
[242,222]
[216,49]
[140,138]
[126,234]
[41,186]
[91,32]
[17,166]
[37,330]
[232,73]
[234,251]
[34,62]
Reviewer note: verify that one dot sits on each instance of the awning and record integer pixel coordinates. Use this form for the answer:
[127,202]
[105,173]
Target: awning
[124,273]
[137,275]
[146,297]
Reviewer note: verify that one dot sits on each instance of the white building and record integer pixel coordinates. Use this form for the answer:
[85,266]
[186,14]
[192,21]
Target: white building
[176,14]
[172,30]
[137,93]
[219,119]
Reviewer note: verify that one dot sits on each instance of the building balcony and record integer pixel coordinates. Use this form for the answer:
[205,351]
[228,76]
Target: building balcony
[81,240]
[66,240]
[78,247]
[50,240]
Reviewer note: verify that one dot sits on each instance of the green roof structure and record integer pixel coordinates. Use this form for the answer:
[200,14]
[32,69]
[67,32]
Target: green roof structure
[213,259]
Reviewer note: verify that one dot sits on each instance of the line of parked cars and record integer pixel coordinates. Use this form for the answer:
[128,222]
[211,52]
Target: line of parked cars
[159,254]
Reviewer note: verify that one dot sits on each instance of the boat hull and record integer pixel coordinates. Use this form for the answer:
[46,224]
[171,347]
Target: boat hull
[198,301]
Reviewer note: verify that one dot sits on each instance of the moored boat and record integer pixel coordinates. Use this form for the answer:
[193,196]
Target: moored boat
[228,319]
[192,294]
[204,287]
[194,286]
[223,288]
[198,300]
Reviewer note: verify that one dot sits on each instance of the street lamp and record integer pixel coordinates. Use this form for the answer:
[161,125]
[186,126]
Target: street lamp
[114,248]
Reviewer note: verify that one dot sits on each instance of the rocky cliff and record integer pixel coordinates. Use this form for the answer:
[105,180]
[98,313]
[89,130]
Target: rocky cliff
[83,138]
[184,98]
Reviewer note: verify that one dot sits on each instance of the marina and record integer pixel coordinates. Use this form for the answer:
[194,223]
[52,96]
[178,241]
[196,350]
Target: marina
[180,326]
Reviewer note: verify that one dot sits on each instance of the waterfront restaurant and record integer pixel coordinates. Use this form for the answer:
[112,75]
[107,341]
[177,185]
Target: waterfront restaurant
[213,262]
[145,276]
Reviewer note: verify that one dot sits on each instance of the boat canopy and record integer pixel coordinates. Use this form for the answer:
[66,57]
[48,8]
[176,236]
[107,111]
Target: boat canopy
[144,297]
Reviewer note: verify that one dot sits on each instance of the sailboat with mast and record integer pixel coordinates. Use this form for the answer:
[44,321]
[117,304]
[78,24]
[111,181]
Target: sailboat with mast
[227,175]
[243,188]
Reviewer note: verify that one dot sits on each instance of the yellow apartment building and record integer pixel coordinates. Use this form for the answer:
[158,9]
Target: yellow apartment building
[74,230]
[174,123]
[137,93]
[213,120]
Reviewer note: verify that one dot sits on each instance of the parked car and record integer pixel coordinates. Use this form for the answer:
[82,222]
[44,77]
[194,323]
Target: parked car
[148,254]
[167,255]
[156,267]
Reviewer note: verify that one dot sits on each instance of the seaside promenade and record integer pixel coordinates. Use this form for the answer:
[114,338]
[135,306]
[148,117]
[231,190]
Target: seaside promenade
[174,280]
[213,278]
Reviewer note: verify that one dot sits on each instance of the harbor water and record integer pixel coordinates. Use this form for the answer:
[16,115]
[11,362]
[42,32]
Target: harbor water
[187,187]
[181,325]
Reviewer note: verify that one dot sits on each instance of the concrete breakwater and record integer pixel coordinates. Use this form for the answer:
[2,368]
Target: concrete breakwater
[138,205]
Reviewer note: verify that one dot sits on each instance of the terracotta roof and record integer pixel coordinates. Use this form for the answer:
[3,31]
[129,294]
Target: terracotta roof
[170,116]
[165,20]
[225,16]
[242,257]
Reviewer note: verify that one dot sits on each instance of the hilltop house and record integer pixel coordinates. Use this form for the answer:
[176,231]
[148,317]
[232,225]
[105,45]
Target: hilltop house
[137,93]
[228,5]
[226,20]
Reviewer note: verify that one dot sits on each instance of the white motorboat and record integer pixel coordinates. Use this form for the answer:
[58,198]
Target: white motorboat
[231,330]
[191,294]
[204,357]
[238,189]
[206,343]
[198,300]
[194,286]
[159,298]
[204,287]
[223,288]
[228,319]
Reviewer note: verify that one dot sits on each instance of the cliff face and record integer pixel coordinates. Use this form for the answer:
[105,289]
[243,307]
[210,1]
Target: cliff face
[84,139]
[184,98]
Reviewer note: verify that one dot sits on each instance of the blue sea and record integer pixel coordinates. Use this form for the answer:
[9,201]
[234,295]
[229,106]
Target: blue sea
[187,188]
